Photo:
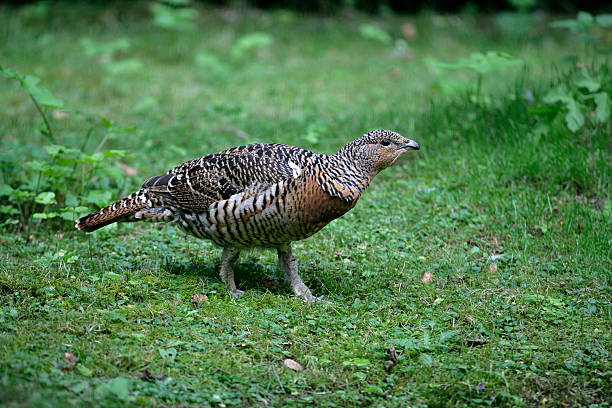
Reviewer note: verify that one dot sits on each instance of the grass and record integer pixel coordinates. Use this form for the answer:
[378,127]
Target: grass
[512,223]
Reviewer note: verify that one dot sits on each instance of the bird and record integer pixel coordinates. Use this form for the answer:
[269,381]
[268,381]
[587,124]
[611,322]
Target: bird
[265,195]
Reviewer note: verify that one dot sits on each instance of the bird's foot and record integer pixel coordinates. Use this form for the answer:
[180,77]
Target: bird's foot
[310,299]
[236,293]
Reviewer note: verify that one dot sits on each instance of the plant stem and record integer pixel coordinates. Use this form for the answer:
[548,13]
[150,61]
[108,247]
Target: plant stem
[42,113]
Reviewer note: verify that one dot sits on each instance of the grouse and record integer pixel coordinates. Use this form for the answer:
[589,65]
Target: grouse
[260,195]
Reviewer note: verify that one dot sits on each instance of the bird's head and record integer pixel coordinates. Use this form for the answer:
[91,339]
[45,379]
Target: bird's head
[378,149]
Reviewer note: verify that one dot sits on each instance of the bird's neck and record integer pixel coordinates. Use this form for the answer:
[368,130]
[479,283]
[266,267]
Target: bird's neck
[340,175]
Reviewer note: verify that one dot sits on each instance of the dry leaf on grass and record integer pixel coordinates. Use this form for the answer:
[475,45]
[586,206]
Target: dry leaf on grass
[428,277]
[70,358]
[292,364]
[71,361]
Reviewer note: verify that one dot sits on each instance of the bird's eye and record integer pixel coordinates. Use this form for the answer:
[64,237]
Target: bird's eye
[385,142]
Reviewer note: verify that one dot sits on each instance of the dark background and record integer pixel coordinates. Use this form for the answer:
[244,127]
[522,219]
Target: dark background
[398,6]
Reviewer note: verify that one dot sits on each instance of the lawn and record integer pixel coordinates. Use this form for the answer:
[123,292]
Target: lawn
[475,272]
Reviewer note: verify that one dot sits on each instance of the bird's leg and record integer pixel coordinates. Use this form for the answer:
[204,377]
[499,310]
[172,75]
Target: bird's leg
[287,263]
[228,258]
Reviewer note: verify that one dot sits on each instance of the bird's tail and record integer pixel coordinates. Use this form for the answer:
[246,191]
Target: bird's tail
[137,206]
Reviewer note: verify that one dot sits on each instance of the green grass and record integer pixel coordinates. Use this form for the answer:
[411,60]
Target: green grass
[513,223]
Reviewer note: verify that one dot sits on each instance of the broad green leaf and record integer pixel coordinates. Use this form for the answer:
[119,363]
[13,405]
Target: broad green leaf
[46,198]
[42,95]
[114,153]
[6,190]
[586,19]
[570,24]
[21,195]
[92,47]
[67,216]
[426,358]
[361,362]
[44,216]
[127,66]
[84,370]
[107,123]
[118,387]
[604,20]
[575,116]
[9,73]
[250,42]
[449,335]
[584,79]
[558,94]
[37,165]
[407,343]
[211,64]
[176,19]
[372,32]
[99,198]
[54,150]
[602,106]
[94,157]
[168,354]
[8,210]
[483,63]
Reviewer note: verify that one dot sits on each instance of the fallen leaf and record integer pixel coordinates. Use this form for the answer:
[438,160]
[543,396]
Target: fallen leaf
[292,364]
[493,268]
[70,359]
[148,376]
[409,30]
[127,170]
[428,277]
[198,299]
[271,284]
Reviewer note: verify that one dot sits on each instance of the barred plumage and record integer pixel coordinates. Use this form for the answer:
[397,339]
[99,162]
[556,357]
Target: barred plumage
[265,195]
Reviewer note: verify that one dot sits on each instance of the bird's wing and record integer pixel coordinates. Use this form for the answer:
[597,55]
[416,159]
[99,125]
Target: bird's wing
[196,184]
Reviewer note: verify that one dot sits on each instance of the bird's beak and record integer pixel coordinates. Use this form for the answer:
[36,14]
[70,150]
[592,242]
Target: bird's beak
[411,145]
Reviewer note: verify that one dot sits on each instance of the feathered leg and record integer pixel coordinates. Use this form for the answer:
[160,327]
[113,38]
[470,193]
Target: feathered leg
[288,264]
[228,259]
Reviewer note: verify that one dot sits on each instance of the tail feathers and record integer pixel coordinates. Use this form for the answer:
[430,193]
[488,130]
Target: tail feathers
[134,207]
